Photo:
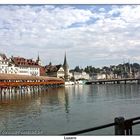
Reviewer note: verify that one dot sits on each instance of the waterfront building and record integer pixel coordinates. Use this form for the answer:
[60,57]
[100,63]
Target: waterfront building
[18,65]
[42,70]
[101,76]
[80,75]
[97,76]
[59,71]
[12,68]
[6,66]
[23,66]
[26,66]
[55,71]
[3,63]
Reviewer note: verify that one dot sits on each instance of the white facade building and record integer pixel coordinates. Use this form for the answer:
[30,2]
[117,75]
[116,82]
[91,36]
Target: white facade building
[101,76]
[3,67]
[18,65]
[26,66]
[80,75]
[32,71]
[13,70]
[55,71]
[3,63]
[98,76]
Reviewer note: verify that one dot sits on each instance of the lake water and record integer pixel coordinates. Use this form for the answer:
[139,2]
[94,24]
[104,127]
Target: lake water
[66,109]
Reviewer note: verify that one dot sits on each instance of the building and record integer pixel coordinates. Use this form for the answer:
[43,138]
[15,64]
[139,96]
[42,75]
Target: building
[60,71]
[80,75]
[6,66]
[55,71]
[26,66]
[97,76]
[3,63]
[42,71]
[21,66]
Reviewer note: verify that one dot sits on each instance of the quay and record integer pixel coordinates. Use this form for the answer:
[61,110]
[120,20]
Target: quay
[113,81]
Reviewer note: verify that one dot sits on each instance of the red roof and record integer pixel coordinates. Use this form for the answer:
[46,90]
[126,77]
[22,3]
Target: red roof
[20,61]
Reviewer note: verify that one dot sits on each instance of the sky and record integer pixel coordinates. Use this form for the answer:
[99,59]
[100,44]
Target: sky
[96,35]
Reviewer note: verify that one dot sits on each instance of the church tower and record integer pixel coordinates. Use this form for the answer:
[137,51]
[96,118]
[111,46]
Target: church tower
[66,69]
[38,60]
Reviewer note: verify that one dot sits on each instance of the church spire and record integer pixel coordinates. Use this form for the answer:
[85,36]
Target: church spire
[66,69]
[65,61]
[38,60]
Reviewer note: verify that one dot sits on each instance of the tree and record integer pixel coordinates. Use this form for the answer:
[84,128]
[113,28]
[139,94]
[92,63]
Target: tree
[136,66]
[77,69]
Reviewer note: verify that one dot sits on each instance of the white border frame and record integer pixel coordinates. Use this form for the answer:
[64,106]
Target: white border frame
[69,1]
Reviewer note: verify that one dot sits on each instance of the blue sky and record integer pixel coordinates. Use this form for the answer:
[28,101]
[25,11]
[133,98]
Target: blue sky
[94,35]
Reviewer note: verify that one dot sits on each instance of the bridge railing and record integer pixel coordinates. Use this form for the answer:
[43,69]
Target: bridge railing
[121,127]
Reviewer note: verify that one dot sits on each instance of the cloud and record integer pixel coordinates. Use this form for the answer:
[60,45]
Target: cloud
[92,34]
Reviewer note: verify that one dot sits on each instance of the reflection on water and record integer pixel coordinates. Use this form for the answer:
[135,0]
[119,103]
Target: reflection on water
[59,110]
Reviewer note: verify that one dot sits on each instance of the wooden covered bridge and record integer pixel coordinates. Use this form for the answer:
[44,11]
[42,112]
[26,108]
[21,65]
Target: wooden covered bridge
[14,80]
[13,85]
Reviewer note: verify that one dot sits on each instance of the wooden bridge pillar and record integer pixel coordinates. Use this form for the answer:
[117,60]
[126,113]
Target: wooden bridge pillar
[9,92]
[1,93]
[118,82]
[15,91]
[138,81]
[4,93]
[124,81]
[100,82]
[0,90]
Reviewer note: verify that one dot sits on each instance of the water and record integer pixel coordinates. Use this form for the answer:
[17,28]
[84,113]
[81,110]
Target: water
[66,109]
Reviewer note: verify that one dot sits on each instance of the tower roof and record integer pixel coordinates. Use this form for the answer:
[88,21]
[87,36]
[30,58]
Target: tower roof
[38,58]
[65,64]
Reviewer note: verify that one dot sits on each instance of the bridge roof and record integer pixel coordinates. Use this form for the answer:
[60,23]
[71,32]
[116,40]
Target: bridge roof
[25,77]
